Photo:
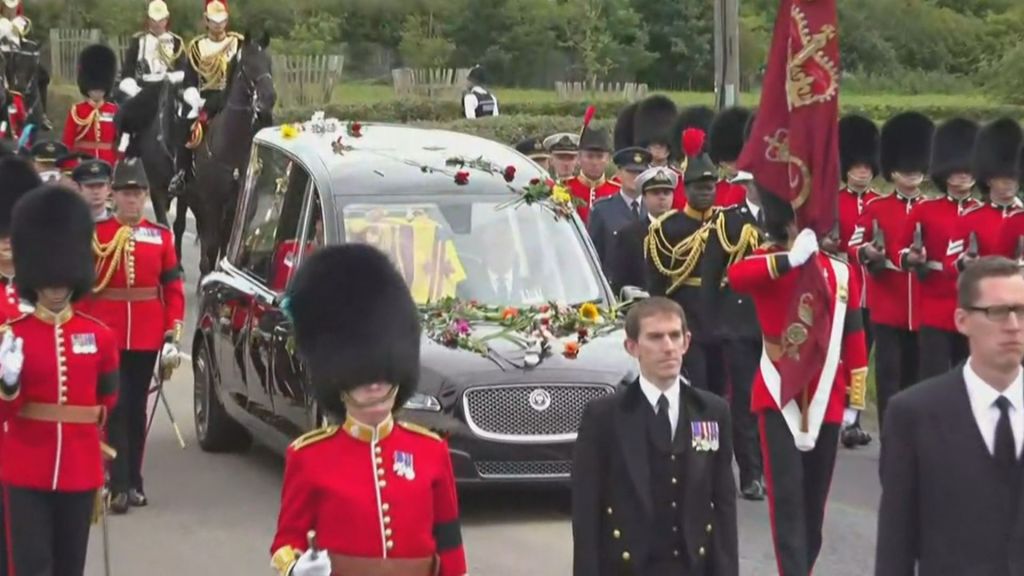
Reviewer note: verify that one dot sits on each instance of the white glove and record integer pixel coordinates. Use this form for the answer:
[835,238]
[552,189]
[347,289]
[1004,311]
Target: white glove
[170,356]
[11,359]
[192,98]
[130,87]
[849,416]
[309,566]
[805,246]
[176,77]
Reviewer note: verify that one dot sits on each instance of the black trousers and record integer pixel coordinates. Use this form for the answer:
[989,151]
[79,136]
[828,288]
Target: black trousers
[705,367]
[742,358]
[939,351]
[896,363]
[127,426]
[798,484]
[4,556]
[49,531]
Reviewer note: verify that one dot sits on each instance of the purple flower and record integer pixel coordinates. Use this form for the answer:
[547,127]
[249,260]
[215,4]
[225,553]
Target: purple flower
[462,326]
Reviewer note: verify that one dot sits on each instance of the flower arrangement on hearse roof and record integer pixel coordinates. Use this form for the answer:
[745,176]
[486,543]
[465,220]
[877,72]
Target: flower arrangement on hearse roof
[455,323]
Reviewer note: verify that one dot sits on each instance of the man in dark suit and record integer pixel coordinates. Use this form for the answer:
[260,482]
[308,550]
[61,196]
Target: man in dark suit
[653,490]
[951,467]
[612,214]
[627,265]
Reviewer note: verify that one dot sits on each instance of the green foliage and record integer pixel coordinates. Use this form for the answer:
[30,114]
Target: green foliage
[423,43]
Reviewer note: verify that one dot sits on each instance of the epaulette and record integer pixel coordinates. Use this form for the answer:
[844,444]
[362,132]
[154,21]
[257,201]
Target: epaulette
[974,208]
[92,318]
[19,318]
[660,219]
[876,199]
[417,429]
[313,437]
[615,183]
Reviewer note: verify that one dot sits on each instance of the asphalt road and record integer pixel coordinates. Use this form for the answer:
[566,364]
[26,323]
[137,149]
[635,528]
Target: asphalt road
[215,514]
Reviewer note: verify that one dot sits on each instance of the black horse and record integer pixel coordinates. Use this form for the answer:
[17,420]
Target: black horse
[25,75]
[153,119]
[223,156]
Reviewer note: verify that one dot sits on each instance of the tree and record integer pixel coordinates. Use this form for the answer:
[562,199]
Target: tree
[604,36]
[423,45]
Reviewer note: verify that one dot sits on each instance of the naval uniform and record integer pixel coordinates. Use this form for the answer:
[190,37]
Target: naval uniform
[52,464]
[381,500]
[735,236]
[798,481]
[140,296]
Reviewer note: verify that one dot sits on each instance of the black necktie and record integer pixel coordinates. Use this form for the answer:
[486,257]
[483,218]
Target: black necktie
[1005,449]
[664,423]
[636,209]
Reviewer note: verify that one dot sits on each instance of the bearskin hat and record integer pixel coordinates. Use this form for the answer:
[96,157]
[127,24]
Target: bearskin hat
[622,136]
[653,121]
[906,144]
[355,323]
[858,143]
[51,236]
[997,151]
[97,68]
[726,135]
[18,177]
[699,117]
[951,149]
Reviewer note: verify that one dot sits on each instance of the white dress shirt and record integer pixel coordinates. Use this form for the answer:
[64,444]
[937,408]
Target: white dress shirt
[754,209]
[629,201]
[653,393]
[983,405]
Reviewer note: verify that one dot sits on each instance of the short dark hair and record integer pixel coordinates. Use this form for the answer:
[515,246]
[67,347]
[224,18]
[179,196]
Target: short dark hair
[967,285]
[654,306]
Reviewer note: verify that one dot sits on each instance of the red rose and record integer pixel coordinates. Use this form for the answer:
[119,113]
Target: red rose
[462,177]
[534,181]
[510,173]
[355,129]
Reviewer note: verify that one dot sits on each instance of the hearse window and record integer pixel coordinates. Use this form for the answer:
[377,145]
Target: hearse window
[271,221]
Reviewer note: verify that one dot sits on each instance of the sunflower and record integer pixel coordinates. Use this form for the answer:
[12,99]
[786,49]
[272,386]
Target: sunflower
[289,131]
[590,312]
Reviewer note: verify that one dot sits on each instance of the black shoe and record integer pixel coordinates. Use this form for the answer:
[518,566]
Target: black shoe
[753,490]
[854,436]
[119,504]
[137,498]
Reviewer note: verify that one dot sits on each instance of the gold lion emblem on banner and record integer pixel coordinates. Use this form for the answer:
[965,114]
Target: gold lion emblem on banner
[813,76]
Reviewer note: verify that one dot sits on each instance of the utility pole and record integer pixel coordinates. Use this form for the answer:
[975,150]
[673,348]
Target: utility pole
[727,53]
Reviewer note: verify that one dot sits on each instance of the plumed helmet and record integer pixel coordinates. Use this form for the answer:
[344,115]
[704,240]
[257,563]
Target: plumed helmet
[17,176]
[951,149]
[726,135]
[652,124]
[51,237]
[997,151]
[216,10]
[97,68]
[622,136]
[906,144]
[858,143]
[355,323]
[699,117]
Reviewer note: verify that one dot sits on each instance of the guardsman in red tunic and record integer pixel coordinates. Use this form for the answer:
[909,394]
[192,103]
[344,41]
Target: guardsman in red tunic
[590,185]
[799,455]
[926,238]
[858,156]
[894,295]
[139,294]
[90,127]
[14,116]
[371,497]
[18,177]
[59,381]
[996,163]
[725,142]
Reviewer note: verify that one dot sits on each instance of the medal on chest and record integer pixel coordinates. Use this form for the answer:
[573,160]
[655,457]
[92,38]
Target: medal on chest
[403,465]
[83,343]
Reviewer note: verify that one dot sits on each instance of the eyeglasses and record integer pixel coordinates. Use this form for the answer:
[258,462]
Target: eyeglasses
[1000,313]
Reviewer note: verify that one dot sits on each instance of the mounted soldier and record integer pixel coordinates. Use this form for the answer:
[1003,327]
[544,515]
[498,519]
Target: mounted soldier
[154,55]
[22,69]
[206,76]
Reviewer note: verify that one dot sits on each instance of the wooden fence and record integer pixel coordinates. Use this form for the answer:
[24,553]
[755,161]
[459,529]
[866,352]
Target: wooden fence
[444,83]
[628,91]
[306,80]
[65,45]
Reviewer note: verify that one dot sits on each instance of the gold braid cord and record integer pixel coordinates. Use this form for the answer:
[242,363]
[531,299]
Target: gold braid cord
[114,251]
[90,122]
[682,258]
[212,69]
[749,239]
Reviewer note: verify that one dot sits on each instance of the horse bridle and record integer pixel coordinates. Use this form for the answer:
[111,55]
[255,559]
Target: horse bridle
[252,86]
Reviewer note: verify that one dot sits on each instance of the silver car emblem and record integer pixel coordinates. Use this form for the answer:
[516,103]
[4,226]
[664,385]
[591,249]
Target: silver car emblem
[540,400]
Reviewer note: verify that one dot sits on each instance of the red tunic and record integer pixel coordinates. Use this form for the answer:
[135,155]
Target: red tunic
[90,130]
[80,372]
[851,206]
[1010,235]
[893,295]
[728,194]
[936,217]
[985,223]
[10,302]
[144,300]
[590,192]
[16,117]
[767,277]
[392,496]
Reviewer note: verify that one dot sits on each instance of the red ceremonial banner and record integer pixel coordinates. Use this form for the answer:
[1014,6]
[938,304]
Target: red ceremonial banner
[793,152]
